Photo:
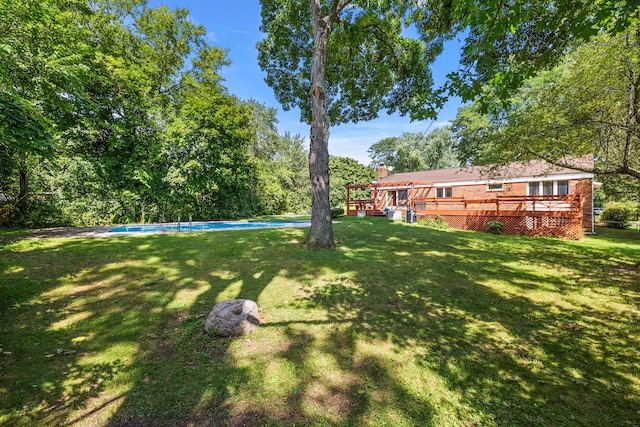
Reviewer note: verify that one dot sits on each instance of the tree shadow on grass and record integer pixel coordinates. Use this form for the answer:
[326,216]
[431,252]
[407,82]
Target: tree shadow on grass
[117,326]
[413,326]
[513,353]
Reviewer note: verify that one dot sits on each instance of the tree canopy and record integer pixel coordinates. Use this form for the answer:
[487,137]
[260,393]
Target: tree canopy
[416,151]
[588,104]
[116,112]
[42,52]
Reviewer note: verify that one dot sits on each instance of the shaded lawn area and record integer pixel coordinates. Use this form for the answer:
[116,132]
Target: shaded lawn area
[402,325]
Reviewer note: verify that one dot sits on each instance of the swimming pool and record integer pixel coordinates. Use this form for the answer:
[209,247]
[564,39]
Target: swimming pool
[207,226]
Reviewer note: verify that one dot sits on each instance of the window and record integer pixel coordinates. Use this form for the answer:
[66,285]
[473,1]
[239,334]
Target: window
[402,194]
[563,187]
[444,192]
[494,187]
[548,188]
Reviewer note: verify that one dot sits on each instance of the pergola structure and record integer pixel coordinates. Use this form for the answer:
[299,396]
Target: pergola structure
[378,203]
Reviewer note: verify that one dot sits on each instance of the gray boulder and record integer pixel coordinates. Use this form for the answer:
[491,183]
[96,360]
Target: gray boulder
[233,317]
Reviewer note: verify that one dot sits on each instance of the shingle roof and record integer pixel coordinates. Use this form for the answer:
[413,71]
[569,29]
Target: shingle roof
[532,169]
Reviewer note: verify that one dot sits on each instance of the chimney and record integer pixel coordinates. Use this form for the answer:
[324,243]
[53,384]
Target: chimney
[382,171]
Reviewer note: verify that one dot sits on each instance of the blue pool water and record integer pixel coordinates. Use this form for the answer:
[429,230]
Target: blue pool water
[208,226]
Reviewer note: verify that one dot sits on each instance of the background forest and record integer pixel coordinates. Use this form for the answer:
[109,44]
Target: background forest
[113,112]
[116,113]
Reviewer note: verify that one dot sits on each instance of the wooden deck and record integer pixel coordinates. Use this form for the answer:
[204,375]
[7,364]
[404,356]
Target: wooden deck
[558,216]
[552,216]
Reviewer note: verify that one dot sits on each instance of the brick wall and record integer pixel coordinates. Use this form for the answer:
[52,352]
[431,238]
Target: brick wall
[585,188]
[480,191]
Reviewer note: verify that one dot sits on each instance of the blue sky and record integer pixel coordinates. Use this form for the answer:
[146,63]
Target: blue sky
[234,25]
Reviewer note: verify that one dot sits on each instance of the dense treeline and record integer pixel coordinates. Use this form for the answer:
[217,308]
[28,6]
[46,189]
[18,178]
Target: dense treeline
[115,112]
[416,151]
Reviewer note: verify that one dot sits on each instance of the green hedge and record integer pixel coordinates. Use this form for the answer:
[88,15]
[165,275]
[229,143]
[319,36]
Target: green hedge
[617,215]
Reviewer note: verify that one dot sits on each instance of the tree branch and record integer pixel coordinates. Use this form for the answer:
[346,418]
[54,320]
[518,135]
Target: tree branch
[615,170]
[341,4]
[334,13]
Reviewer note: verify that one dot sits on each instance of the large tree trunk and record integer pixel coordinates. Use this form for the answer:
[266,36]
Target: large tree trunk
[321,233]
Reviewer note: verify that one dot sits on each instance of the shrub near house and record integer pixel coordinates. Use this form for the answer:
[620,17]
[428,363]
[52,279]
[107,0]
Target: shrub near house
[617,215]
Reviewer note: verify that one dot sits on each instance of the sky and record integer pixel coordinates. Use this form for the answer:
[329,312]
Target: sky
[235,26]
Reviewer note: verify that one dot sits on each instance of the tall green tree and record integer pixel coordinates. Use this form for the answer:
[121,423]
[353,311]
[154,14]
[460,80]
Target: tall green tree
[473,129]
[409,156]
[416,151]
[153,134]
[438,148]
[210,174]
[165,136]
[283,183]
[384,152]
[346,171]
[42,52]
[350,52]
[589,104]
[347,60]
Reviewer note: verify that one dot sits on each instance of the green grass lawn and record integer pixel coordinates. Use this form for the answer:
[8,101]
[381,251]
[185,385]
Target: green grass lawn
[401,325]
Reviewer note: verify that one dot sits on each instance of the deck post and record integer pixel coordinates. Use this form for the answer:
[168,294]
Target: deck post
[374,194]
[411,198]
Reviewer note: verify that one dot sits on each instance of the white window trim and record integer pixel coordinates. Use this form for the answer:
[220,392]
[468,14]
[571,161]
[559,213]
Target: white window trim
[541,187]
[444,192]
[489,184]
[525,179]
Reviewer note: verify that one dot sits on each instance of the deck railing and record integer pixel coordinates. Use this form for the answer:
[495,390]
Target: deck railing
[564,203]
[365,207]
[557,216]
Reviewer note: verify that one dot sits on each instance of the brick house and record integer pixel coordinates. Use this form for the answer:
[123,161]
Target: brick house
[533,198]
